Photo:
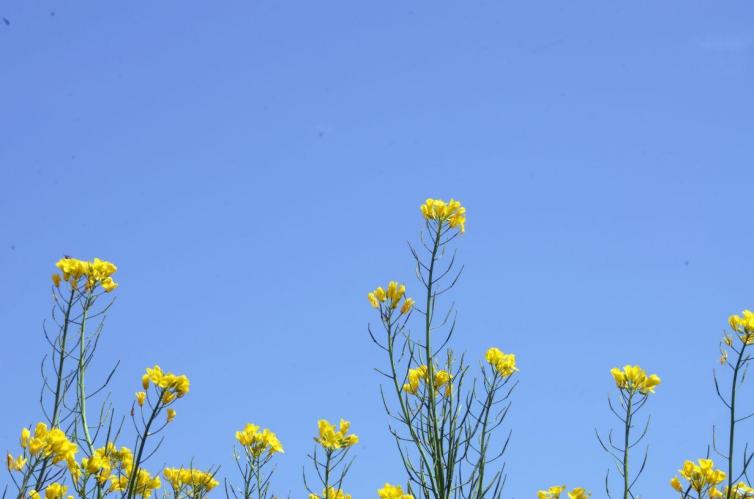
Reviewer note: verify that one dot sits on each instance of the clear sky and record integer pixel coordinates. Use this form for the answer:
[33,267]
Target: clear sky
[255,168]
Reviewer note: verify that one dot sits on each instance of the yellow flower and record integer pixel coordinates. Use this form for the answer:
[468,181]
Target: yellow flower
[33,494]
[739,491]
[16,464]
[333,439]
[444,378]
[176,386]
[744,326]
[171,414]
[96,272]
[56,280]
[145,381]
[702,476]
[393,492]
[634,379]
[55,491]
[551,493]
[407,305]
[258,442]
[578,493]
[25,434]
[451,213]
[192,482]
[394,294]
[331,493]
[504,364]
[676,484]
[140,397]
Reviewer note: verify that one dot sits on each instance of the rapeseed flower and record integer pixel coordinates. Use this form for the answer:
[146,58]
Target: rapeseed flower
[16,463]
[332,439]
[451,212]
[391,298]
[739,491]
[50,443]
[634,379]
[504,363]
[174,385]
[420,375]
[743,325]
[702,477]
[170,415]
[95,273]
[55,491]
[393,492]
[258,442]
[551,493]
[192,482]
[331,493]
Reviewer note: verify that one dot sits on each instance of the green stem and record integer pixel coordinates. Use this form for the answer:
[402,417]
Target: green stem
[81,387]
[626,446]
[130,492]
[433,430]
[733,419]
[59,383]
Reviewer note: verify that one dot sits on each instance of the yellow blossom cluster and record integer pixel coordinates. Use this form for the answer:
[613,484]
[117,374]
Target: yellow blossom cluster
[195,483]
[702,477]
[95,273]
[451,212]
[392,297]
[258,442]
[331,493]
[555,491]
[393,492]
[504,363]
[421,375]
[634,379]
[743,325]
[109,463]
[172,385]
[145,484]
[333,439]
[47,443]
[53,491]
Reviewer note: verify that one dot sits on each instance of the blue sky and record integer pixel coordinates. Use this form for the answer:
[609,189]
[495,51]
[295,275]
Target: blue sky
[254,168]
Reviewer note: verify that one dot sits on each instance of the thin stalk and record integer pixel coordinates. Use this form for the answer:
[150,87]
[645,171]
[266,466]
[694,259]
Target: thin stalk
[626,446]
[81,387]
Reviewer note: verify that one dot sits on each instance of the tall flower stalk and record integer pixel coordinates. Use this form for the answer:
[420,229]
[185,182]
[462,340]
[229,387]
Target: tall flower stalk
[444,425]
[634,388]
[743,337]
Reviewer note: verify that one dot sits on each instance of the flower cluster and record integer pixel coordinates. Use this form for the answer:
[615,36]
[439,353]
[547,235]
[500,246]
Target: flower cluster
[504,363]
[421,375]
[333,439]
[555,491]
[451,212]
[52,444]
[393,492]
[144,486]
[331,493]
[258,442]
[634,379]
[172,385]
[743,325]
[109,463]
[392,297]
[53,491]
[702,477]
[95,273]
[192,482]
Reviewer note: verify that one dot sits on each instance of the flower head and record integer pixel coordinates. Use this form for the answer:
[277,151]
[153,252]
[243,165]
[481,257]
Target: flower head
[393,492]
[701,476]
[551,493]
[332,439]
[331,493]
[174,385]
[503,363]
[634,379]
[389,300]
[257,442]
[189,481]
[94,273]
[451,213]
[743,325]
